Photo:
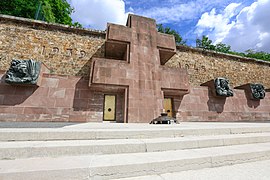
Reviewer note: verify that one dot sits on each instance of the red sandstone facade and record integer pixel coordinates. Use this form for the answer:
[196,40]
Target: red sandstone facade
[139,69]
[133,70]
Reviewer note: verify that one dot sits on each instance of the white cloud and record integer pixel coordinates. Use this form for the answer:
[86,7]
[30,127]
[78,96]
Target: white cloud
[175,11]
[218,24]
[249,30]
[96,13]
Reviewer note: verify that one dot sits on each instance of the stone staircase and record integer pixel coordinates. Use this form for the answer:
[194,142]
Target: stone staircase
[113,151]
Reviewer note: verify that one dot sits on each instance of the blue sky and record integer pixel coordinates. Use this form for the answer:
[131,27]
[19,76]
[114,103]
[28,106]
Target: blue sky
[243,24]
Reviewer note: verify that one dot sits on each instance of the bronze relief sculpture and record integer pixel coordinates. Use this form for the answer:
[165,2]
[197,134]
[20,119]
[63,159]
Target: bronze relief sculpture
[257,91]
[222,87]
[23,72]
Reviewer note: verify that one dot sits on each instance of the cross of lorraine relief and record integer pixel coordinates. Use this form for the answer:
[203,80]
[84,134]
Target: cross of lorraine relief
[135,55]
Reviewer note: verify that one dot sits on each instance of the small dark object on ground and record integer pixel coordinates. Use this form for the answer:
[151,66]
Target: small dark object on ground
[164,119]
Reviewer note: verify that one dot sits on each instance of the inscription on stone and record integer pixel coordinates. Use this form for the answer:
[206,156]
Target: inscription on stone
[43,50]
[55,50]
[222,87]
[23,72]
[67,52]
[257,91]
[198,68]
[82,54]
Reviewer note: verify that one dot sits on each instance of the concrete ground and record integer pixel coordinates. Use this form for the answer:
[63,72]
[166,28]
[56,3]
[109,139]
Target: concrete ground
[34,124]
[108,125]
[182,125]
[248,171]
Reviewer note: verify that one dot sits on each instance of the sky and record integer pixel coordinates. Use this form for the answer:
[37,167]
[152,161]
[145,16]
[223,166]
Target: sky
[242,24]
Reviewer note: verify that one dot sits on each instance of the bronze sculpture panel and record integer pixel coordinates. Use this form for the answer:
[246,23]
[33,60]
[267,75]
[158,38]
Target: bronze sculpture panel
[23,72]
[222,87]
[257,91]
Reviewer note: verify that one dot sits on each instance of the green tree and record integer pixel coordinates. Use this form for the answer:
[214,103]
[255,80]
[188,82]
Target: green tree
[237,53]
[178,38]
[47,12]
[55,11]
[19,8]
[220,47]
[205,43]
[258,55]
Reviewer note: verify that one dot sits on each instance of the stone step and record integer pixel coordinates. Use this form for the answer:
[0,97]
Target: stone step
[29,149]
[131,165]
[259,170]
[44,134]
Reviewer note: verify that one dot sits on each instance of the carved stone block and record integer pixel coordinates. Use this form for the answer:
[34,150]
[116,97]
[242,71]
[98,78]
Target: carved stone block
[23,72]
[220,87]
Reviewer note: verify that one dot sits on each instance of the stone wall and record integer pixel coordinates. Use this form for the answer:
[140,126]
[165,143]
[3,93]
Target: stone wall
[201,105]
[68,51]
[203,66]
[64,50]
[59,98]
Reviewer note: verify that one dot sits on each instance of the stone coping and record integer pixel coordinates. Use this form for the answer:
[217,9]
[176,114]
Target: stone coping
[52,26]
[220,55]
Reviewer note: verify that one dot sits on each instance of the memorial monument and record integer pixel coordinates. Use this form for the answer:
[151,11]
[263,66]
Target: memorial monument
[135,58]
[127,74]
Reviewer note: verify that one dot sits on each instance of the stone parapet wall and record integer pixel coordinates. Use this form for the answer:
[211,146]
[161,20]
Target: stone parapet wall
[203,65]
[64,50]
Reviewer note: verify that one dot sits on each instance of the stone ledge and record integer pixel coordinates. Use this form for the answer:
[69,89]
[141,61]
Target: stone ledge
[52,26]
[219,54]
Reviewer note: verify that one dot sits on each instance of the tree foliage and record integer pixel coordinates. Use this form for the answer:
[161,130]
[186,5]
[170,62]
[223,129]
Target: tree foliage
[206,43]
[258,55]
[19,8]
[220,47]
[178,38]
[55,11]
